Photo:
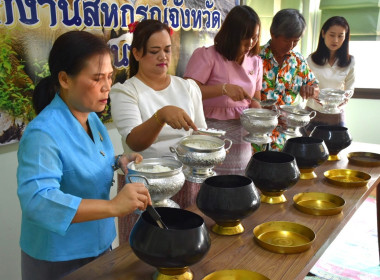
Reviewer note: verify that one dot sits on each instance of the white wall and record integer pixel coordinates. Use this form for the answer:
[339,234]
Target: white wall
[10,212]
[10,215]
[362,122]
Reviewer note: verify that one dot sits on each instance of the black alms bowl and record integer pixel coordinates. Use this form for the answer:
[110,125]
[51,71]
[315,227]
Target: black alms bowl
[185,243]
[228,198]
[273,173]
[309,152]
[336,137]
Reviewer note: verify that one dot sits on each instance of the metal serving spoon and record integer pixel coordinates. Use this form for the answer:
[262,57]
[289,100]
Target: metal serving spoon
[154,214]
[211,131]
[265,103]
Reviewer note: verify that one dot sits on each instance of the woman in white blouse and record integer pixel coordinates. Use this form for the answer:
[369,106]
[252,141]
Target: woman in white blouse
[151,98]
[333,66]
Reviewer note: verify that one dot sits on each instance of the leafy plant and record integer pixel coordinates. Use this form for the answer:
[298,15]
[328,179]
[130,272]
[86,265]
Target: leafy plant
[41,70]
[15,86]
[105,116]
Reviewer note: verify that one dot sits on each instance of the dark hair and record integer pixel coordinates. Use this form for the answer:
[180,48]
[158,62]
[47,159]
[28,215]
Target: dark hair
[289,23]
[141,35]
[322,53]
[69,53]
[238,25]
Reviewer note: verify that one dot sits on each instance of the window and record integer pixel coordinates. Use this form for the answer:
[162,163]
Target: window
[367,63]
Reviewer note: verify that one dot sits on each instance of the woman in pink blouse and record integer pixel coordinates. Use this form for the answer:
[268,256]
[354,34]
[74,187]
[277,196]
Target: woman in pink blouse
[229,74]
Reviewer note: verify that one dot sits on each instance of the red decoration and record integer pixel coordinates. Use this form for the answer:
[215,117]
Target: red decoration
[132,26]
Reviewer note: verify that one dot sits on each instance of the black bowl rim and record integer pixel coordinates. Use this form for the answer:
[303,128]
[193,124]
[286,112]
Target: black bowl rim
[148,219]
[246,178]
[331,128]
[300,140]
[290,157]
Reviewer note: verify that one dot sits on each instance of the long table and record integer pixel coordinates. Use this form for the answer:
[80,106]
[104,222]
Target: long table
[241,251]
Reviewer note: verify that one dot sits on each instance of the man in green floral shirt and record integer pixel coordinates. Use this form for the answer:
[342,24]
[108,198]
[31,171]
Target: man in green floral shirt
[286,74]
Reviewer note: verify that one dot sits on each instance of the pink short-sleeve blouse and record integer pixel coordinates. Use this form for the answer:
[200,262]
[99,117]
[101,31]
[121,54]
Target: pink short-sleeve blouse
[209,67]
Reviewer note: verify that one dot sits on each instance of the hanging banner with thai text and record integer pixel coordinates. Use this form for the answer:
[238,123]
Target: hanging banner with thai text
[28,29]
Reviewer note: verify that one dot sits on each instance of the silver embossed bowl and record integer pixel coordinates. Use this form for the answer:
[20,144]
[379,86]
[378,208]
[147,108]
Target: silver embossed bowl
[162,176]
[200,153]
[259,123]
[331,99]
[295,118]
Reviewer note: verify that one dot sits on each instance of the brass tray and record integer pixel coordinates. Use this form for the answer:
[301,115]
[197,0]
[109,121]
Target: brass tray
[284,237]
[235,274]
[347,177]
[364,158]
[318,203]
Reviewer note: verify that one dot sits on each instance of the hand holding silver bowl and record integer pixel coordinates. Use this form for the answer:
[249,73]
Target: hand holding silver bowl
[331,99]
[162,176]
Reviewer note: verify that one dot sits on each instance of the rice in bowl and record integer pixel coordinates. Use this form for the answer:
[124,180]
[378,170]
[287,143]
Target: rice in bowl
[154,169]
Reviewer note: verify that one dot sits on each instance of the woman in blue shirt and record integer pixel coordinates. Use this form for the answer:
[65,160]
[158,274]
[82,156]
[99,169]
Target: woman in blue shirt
[66,164]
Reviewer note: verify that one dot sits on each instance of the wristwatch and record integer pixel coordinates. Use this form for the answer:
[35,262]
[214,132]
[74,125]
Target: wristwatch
[116,165]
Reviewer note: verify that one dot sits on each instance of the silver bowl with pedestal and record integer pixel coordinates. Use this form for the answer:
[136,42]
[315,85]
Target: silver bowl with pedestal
[259,123]
[199,154]
[295,118]
[162,176]
[331,99]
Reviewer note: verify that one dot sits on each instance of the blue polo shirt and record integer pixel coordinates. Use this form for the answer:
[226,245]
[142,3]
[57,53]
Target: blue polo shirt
[59,164]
